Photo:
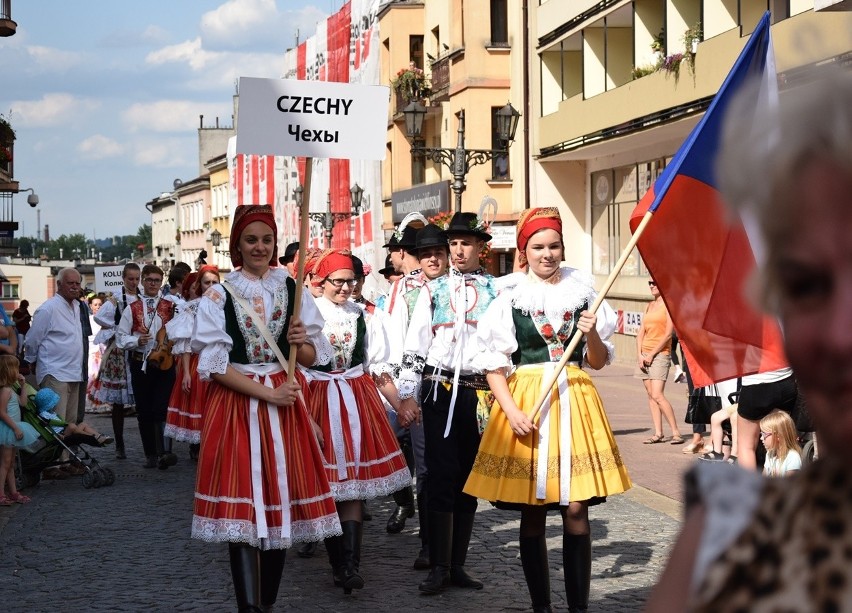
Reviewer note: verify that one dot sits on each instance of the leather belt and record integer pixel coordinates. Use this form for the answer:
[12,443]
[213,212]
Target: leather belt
[433,373]
[137,356]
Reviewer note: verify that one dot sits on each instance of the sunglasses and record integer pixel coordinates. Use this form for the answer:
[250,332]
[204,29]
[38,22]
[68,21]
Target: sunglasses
[652,284]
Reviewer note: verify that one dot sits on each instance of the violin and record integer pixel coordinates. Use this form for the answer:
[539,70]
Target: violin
[161,356]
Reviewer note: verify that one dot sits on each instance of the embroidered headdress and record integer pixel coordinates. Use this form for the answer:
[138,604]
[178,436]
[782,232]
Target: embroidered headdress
[329,261]
[533,220]
[243,216]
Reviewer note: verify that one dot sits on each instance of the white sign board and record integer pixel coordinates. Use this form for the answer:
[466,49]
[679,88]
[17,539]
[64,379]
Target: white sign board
[312,118]
[503,236]
[108,279]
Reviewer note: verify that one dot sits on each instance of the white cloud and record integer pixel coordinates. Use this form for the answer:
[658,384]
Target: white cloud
[53,109]
[172,115]
[49,59]
[237,18]
[165,153]
[189,52]
[99,147]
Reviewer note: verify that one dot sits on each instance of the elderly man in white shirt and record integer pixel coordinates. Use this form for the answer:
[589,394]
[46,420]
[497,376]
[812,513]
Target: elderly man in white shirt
[53,343]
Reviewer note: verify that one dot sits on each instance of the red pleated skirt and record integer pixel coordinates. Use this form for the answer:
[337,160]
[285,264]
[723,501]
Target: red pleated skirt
[379,468]
[186,411]
[260,479]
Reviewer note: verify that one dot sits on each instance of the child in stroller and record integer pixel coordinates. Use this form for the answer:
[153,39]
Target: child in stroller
[56,436]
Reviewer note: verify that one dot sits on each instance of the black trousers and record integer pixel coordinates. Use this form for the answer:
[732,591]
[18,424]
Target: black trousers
[151,390]
[450,459]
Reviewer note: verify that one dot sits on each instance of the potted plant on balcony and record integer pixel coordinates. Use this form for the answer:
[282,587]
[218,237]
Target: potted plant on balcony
[411,83]
[692,37]
[7,134]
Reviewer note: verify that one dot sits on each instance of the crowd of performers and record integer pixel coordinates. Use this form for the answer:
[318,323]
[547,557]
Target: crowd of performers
[437,380]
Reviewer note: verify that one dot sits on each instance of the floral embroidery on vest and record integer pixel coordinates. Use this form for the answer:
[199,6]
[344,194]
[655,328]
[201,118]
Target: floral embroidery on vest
[555,339]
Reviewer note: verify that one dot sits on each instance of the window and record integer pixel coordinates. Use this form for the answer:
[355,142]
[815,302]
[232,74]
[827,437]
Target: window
[9,291]
[418,169]
[415,50]
[499,163]
[499,23]
[615,193]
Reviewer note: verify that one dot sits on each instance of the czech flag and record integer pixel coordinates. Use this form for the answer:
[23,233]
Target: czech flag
[700,257]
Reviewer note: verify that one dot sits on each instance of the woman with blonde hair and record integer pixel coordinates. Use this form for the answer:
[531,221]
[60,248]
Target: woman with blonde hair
[783,453]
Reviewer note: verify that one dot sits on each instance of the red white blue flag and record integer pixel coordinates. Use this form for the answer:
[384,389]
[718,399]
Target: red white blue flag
[700,257]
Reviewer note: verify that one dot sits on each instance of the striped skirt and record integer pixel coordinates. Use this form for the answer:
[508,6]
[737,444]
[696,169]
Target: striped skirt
[186,410]
[260,479]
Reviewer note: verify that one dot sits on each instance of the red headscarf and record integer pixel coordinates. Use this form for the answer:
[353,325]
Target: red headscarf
[245,215]
[330,261]
[533,220]
[204,270]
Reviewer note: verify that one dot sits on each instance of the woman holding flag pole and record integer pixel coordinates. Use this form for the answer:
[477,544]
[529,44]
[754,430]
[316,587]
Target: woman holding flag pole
[568,460]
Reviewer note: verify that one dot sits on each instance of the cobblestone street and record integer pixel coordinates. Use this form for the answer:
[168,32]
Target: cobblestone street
[127,548]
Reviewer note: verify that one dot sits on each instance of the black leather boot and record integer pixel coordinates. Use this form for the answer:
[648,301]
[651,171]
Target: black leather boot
[422,560]
[271,570]
[334,549]
[577,562]
[462,529]
[536,571]
[118,430]
[165,458]
[351,540]
[404,500]
[245,571]
[440,552]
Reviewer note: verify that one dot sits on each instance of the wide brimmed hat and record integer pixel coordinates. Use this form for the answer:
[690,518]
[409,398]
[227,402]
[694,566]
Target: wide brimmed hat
[468,223]
[431,236]
[388,269]
[290,253]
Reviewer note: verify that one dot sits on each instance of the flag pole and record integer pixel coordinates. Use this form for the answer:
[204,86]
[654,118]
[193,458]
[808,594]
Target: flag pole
[303,249]
[575,340]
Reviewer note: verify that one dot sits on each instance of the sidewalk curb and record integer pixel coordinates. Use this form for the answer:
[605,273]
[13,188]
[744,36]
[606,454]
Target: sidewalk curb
[658,502]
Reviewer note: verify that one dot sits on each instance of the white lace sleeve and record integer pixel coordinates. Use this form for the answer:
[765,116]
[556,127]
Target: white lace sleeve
[730,496]
[418,339]
[607,321]
[209,338]
[105,316]
[496,337]
[314,322]
[180,330]
[377,347]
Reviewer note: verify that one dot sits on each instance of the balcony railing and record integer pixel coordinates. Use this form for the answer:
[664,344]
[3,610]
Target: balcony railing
[440,78]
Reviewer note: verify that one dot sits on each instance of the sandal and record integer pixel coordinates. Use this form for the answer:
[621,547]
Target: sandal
[657,438]
[712,456]
[5,502]
[694,448]
[104,440]
[677,440]
[20,498]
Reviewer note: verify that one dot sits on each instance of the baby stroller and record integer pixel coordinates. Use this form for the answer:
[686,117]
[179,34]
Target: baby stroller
[48,450]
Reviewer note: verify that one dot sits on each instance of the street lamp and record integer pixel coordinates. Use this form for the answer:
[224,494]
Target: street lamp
[329,218]
[215,240]
[459,160]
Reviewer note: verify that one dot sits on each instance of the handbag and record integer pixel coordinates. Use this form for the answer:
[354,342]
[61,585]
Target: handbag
[703,402]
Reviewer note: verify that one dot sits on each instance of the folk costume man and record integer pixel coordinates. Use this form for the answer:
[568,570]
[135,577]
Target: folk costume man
[432,250]
[442,327]
[137,334]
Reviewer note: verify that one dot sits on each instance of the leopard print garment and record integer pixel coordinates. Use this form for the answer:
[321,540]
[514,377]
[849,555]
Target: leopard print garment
[795,555]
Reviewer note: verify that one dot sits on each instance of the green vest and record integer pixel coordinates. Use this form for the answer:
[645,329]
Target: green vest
[238,353]
[532,348]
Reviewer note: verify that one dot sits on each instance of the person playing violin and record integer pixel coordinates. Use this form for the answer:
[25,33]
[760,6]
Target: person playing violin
[137,333]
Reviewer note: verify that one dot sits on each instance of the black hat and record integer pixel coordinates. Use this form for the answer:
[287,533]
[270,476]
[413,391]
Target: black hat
[393,242]
[408,239]
[388,269]
[430,236]
[357,266]
[289,253]
[468,223]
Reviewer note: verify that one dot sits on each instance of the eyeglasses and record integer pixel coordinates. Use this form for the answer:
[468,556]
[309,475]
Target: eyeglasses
[338,283]
[156,280]
[652,284]
[764,435]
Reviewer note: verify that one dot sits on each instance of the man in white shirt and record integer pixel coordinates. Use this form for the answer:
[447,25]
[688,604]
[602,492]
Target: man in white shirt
[54,344]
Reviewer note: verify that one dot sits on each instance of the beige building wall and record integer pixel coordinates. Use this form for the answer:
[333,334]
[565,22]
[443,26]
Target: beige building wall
[589,120]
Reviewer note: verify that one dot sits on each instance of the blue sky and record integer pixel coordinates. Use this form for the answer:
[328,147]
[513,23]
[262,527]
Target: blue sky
[105,96]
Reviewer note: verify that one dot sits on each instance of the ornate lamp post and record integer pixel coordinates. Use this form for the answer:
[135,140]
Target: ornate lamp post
[329,218]
[459,160]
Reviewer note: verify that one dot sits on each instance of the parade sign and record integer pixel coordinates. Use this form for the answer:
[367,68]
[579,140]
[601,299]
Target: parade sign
[108,279]
[312,119]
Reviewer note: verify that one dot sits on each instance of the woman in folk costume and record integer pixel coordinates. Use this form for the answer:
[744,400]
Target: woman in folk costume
[362,456]
[569,460]
[260,485]
[186,404]
[112,385]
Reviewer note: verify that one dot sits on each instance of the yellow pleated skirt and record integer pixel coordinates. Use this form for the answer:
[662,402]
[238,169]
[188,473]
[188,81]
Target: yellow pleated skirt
[505,467]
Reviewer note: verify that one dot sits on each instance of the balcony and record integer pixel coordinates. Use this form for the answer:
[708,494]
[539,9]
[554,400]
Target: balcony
[441,79]
[7,156]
